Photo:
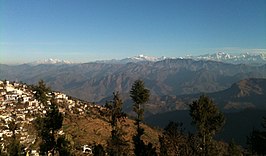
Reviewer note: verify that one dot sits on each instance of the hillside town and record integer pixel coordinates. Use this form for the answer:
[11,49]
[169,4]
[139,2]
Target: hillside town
[17,104]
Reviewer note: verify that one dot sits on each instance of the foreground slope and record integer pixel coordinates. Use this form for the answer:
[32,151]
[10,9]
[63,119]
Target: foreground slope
[84,123]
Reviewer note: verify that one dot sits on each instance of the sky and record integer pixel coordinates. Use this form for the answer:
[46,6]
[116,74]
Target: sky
[89,30]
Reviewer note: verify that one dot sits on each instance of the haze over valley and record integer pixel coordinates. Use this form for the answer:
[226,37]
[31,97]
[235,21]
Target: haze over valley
[167,78]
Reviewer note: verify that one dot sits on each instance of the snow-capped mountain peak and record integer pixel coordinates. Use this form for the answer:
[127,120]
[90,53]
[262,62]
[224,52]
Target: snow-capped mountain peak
[142,57]
[244,58]
[50,61]
[138,58]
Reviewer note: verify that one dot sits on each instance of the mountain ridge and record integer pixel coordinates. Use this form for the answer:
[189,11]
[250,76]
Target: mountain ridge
[241,58]
[245,94]
[50,61]
[167,78]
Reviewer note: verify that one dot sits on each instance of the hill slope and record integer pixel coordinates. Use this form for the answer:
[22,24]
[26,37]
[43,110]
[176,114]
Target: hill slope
[247,93]
[84,123]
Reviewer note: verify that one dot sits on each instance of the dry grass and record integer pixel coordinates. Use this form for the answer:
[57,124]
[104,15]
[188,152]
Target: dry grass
[90,129]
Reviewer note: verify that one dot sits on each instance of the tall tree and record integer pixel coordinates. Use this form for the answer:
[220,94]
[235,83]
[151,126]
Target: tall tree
[51,122]
[117,145]
[208,120]
[47,126]
[140,95]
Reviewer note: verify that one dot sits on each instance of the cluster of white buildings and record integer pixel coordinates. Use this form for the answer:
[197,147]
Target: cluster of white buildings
[17,103]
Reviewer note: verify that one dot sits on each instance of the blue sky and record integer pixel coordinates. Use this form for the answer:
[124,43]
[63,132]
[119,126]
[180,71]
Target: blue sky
[88,30]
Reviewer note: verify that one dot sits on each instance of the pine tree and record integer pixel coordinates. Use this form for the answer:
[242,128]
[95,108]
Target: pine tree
[51,122]
[140,95]
[117,145]
[208,120]
[47,127]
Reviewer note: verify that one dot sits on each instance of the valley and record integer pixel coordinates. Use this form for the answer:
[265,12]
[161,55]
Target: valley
[170,80]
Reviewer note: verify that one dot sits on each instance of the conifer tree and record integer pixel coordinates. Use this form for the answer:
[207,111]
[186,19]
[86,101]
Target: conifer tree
[140,95]
[47,126]
[208,120]
[117,145]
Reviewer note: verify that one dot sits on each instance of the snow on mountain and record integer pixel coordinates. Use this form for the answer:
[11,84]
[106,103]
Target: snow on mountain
[243,58]
[139,58]
[50,61]
[145,58]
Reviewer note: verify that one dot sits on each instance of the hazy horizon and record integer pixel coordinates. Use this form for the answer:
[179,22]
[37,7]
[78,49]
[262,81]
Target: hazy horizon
[50,60]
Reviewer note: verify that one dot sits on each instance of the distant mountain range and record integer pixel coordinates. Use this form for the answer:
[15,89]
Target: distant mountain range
[50,61]
[243,58]
[167,79]
[135,59]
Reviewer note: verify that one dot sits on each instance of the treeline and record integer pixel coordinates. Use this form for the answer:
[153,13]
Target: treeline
[173,141]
